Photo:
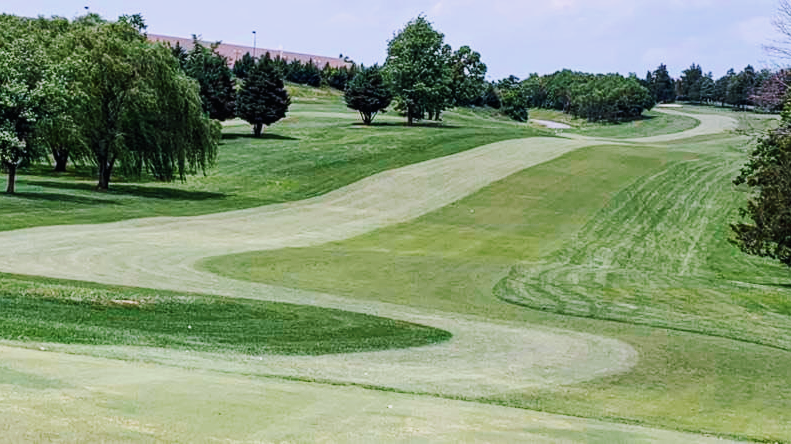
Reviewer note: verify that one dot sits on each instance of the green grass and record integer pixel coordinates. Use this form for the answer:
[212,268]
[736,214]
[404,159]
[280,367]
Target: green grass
[567,244]
[612,225]
[653,123]
[319,147]
[51,311]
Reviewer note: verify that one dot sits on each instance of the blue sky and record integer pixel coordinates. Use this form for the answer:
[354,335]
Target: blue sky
[513,36]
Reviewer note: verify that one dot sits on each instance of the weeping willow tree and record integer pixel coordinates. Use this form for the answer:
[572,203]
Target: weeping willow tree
[137,109]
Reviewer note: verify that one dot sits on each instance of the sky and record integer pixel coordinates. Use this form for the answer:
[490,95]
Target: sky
[516,37]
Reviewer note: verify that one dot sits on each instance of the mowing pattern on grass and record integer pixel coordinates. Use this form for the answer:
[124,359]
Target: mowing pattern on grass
[644,259]
[667,207]
[682,381]
[70,314]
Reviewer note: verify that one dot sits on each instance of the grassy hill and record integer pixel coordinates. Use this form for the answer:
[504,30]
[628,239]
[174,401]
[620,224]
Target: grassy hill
[617,244]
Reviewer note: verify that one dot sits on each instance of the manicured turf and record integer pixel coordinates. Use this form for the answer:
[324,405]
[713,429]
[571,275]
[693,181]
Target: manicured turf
[653,123]
[319,147]
[591,229]
[65,397]
[64,312]
[614,226]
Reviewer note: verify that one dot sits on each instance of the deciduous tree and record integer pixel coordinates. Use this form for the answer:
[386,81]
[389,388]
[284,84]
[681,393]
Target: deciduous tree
[468,76]
[417,69]
[137,108]
[30,91]
[768,173]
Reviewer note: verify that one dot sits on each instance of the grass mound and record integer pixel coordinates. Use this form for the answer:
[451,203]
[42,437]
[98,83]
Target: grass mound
[68,314]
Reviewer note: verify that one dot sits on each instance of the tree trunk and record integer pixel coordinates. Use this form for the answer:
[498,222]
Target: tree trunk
[257,127]
[11,177]
[61,157]
[105,171]
[409,115]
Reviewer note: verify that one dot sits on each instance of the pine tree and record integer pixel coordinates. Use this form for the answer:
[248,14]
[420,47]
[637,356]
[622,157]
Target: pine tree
[262,100]
[211,71]
[368,94]
[663,86]
[243,66]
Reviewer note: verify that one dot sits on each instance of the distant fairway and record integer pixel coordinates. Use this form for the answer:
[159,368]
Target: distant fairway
[560,228]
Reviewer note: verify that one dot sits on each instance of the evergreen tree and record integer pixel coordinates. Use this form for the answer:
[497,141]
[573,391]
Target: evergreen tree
[368,94]
[243,66]
[263,99]
[211,71]
[180,54]
[740,87]
[662,85]
[707,88]
[649,81]
[721,87]
[689,85]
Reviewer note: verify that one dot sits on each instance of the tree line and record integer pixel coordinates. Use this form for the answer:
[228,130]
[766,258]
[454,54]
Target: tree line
[765,89]
[98,91]
[422,76]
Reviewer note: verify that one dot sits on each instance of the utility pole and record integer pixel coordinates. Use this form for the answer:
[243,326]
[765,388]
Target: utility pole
[254,42]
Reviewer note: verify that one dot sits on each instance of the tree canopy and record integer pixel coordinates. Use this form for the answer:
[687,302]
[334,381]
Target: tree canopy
[215,78]
[368,94]
[768,172]
[607,97]
[662,86]
[468,77]
[137,107]
[417,69]
[262,99]
[31,92]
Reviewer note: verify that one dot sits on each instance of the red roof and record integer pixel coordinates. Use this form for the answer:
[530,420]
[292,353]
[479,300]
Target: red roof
[235,52]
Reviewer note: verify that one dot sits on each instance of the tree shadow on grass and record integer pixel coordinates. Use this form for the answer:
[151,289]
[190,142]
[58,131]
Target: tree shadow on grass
[264,136]
[438,125]
[54,197]
[81,172]
[133,190]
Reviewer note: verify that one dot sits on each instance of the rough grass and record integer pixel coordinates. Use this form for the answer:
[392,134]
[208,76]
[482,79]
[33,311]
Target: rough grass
[64,312]
[653,123]
[634,220]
